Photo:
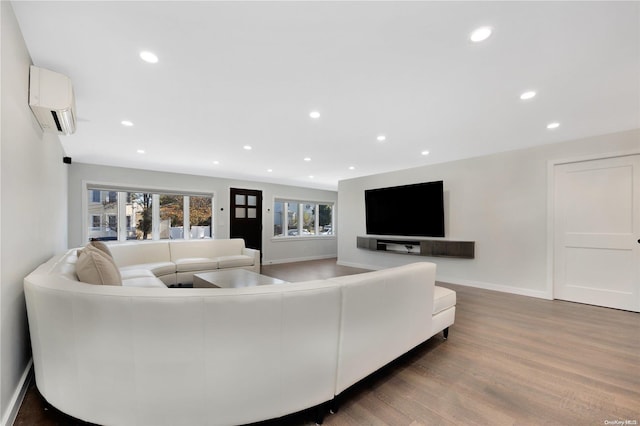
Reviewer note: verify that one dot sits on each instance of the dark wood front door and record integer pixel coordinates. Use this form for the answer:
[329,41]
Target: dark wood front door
[246,217]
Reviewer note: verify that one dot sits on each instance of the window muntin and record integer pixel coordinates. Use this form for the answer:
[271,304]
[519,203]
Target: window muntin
[130,215]
[293,218]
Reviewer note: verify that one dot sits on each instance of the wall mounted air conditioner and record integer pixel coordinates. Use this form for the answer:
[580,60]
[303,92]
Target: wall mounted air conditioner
[52,101]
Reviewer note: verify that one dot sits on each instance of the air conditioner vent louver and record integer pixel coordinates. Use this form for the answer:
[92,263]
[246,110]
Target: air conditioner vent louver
[55,118]
[52,101]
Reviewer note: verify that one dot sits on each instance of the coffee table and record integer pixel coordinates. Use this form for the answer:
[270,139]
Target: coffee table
[234,278]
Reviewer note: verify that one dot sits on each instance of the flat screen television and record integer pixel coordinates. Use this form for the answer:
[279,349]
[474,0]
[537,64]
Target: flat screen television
[415,210]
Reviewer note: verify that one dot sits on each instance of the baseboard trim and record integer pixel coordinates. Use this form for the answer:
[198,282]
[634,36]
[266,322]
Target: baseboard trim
[18,396]
[299,259]
[359,265]
[539,294]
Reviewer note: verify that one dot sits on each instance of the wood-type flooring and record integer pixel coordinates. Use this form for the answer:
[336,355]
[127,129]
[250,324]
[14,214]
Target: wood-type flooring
[509,360]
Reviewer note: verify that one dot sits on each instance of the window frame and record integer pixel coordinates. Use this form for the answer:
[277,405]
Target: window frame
[286,201]
[121,191]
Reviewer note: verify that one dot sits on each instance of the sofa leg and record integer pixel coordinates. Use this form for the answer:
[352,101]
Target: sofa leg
[318,414]
[334,405]
[445,333]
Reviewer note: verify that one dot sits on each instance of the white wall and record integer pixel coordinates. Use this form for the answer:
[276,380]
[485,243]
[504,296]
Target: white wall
[274,251]
[33,212]
[498,201]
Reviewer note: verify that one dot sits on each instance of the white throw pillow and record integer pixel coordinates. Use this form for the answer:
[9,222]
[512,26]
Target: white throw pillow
[96,267]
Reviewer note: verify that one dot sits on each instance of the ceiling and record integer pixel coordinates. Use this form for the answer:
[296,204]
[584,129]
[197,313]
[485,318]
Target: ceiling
[232,74]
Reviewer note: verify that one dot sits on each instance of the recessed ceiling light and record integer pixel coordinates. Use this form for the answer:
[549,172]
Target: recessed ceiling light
[528,95]
[126,123]
[307,159]
[553,125]
[314,114]
[480,34]
[352,168]
[381,138]
[216,162]
[310,176]
[269,170]
[140,151]
[247,147]
[149,57]
[424,153]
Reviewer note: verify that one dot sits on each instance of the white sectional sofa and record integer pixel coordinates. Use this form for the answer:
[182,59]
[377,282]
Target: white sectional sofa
[125,355]
[175,262]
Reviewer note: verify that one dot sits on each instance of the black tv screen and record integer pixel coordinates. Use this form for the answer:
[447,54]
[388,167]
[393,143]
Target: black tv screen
[410,210]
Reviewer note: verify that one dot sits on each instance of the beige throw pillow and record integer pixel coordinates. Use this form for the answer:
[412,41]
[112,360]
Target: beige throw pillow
[102,247]
[95,267]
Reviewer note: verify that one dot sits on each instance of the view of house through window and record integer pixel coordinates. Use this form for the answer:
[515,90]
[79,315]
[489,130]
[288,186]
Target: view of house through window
[292,218]
[139,215]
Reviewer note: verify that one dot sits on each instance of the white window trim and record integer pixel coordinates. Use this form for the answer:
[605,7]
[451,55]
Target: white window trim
[186,220]
[122,213]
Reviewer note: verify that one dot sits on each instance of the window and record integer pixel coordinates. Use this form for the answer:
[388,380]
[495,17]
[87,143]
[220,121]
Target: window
[147,215]
[292,218]
[325,219]
[171,217]
[140,208]
[99,214]
[200,213]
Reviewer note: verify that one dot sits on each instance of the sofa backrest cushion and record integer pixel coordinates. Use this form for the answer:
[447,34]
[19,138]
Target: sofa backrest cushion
[210,249]
[228,247]
[96,267]
[138,253]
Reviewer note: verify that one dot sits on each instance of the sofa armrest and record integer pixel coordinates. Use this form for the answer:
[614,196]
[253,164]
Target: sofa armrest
[253,253]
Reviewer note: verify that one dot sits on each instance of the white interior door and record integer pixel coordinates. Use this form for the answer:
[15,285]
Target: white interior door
[596,232]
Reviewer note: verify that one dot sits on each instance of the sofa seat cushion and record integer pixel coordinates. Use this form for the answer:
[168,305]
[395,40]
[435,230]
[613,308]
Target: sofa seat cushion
[234,261]
[129,273]
[158,268]
[147,282]
[196,264]
[443,299]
